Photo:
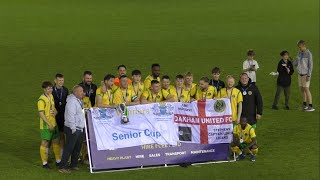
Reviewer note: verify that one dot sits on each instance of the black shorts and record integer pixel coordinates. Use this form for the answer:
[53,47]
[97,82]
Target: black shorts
[60,124]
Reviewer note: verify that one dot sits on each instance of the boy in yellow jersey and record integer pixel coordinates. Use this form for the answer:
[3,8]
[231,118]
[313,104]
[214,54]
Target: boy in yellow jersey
[204,90]
[244,140]
[188,81]
[165,84]
[235,97]
[125,95]
[48,126]
[155,69]
[155,94]
[180,94]
[136,86]
[104,94]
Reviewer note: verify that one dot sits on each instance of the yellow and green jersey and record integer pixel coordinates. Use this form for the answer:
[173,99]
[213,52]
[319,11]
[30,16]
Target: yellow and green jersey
[147,81]
[137,89]
[181,96]
[45,104]
[122,95]
[235,97]
[159,97]
[246,134]
[210,93]
[107,97]
[86,102]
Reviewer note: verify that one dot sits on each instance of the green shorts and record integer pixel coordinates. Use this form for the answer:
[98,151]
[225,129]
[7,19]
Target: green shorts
[48,135]
[234,123]
[243,145]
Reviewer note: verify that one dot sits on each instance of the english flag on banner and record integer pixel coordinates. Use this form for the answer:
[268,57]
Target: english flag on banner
[204,122]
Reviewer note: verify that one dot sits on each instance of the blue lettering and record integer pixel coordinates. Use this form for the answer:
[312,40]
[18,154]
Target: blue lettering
[155,134]
[129,135]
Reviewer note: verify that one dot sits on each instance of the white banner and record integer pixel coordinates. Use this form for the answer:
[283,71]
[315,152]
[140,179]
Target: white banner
[205,122]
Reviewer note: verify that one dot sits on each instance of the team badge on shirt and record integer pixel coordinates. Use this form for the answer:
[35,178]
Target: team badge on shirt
[250,93]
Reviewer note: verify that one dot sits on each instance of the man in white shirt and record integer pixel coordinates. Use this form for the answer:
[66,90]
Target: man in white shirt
[250,66]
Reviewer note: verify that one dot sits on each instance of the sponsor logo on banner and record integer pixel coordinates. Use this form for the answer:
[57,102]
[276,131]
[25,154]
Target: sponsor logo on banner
[162,109]
[103,115]
[219,106]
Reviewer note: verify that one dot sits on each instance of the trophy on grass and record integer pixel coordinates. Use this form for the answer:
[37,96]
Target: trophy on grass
[124,113]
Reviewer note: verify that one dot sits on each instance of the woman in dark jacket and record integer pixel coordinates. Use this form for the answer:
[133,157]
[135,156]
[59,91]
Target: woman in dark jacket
[285,70]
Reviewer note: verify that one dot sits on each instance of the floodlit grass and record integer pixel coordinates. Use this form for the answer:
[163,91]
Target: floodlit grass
[41,38]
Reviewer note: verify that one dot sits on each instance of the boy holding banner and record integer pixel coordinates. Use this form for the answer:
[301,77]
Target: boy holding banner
[235,97]
[204,90]
[179,92]
[123,94]
[156,94]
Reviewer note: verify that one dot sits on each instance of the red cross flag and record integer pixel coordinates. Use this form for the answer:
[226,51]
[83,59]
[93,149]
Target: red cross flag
[204,122]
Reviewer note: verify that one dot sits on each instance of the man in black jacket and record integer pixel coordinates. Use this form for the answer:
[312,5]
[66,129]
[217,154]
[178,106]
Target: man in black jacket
[285,70]
[60,94]
[89,88]
[252,101]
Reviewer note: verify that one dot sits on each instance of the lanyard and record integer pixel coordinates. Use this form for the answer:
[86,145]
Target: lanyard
[88,92]
[230,94]
[124,97]
[205,97]
[135,92]
[59,97]
[154,99]
[109,95]
[80,102]
[244,90]
[217,86]
[179,97]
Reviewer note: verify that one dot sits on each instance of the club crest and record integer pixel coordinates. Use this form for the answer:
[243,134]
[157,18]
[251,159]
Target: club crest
[162,109]
[102,114]
[219,106]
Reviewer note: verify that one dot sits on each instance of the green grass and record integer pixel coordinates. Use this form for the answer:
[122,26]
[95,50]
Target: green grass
[40,38]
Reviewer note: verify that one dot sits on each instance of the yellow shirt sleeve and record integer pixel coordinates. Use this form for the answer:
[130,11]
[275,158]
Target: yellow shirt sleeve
[145,94]
[165,94]
[98,92]
[117,97]
[239,98]
[193,91]
[235,130]
[252,133]
[41,105]
[147,84]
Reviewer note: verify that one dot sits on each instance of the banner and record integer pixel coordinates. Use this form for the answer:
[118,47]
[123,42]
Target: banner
[159,134]
[147,124]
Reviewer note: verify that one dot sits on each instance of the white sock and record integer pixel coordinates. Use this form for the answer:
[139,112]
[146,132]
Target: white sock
[58,161]
[44,163]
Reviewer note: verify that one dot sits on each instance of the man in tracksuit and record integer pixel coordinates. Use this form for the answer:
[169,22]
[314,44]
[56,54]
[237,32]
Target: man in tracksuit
[252,101]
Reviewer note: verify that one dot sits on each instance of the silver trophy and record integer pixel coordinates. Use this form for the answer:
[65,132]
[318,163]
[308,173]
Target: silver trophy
[124,113]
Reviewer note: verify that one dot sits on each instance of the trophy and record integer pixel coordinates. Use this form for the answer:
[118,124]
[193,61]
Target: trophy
[124,113]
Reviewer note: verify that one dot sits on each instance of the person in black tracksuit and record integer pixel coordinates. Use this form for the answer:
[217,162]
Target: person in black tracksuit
[89,88]
[60,93]
[285,70]
[252,105]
